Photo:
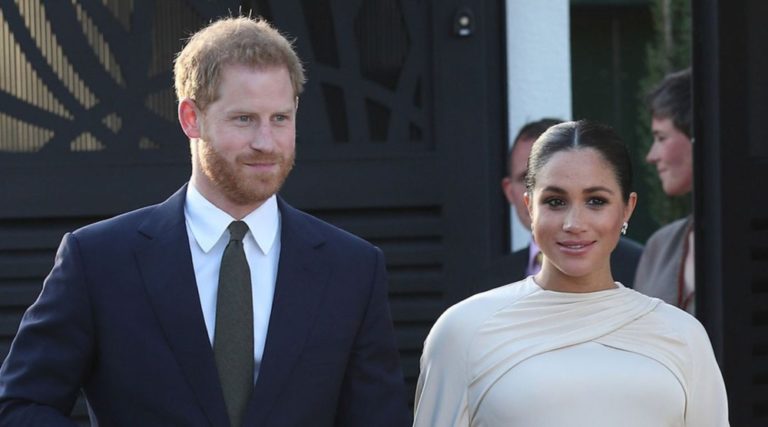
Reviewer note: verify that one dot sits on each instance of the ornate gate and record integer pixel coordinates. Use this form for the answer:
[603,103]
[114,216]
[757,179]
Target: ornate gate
[400,132]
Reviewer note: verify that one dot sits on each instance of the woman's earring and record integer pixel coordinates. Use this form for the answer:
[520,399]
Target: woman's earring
[624,228]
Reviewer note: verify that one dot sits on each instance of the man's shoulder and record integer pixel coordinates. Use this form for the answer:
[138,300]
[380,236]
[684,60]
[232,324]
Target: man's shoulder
[122,223]
[151,218]
[629,247]
[507,268]
[516,264]
[521,253]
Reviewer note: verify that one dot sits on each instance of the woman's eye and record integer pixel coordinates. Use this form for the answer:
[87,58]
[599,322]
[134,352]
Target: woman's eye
[596,202]
[554,203]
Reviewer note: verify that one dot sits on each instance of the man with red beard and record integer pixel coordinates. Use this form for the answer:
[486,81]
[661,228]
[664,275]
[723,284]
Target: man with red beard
[223,305]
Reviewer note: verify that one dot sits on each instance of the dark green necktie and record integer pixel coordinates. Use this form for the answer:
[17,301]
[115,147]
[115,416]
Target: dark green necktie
[233,337]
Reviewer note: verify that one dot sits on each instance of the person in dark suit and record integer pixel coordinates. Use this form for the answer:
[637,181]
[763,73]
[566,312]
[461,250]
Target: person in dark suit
[527,261]
[223,305]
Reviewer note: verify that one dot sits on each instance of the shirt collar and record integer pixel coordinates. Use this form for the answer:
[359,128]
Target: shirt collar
[208,223]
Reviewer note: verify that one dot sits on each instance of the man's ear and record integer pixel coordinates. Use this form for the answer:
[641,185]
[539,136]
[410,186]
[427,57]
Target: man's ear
[506,187]
[528,203]
[189,118]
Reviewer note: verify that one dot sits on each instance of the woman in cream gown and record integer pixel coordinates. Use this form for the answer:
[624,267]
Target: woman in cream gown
[569,346]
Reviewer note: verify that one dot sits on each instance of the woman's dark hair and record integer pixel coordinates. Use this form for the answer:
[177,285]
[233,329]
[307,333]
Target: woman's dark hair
[578,135]
[671,99]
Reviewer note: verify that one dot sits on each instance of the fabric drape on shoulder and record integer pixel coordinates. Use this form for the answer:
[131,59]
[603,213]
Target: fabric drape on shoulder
[480,339]
[441,391]
[542,322]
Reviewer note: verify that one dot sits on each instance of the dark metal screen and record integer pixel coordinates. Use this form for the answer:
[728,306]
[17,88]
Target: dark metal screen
[400,134]
[731,157]
[366,63]
[97,78]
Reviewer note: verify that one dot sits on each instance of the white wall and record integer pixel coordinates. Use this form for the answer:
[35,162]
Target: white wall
[538,71]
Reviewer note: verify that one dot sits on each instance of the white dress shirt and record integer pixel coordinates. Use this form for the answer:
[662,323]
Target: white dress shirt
[208,236]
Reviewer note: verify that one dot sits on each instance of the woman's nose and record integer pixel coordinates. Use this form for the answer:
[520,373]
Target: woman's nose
[572,221]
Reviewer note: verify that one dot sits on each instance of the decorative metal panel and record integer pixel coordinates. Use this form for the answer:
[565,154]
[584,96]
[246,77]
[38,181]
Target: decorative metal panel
[97,78]
[411,238]
[366,63]
[87,115]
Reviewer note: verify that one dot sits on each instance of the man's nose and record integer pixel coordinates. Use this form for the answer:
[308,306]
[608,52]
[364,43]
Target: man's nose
[263,138]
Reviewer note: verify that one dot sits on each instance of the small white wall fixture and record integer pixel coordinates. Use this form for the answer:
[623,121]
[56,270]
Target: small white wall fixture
[538,71]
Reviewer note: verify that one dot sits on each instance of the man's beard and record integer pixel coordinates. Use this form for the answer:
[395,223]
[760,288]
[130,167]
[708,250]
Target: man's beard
[236,185]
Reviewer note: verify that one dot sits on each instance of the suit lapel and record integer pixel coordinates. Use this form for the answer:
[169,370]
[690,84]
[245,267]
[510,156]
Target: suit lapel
[301,281]
[166,266]
[519,264]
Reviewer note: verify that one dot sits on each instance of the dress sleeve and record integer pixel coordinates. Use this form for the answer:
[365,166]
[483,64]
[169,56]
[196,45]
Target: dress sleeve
[707,404]
[441,391]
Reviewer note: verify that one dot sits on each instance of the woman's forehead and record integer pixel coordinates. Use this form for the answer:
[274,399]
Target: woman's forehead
[579,167]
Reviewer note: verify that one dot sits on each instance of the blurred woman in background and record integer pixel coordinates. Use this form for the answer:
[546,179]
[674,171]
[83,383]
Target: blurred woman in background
[665,270]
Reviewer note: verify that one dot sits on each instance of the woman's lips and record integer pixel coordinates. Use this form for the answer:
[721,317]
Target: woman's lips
[576,247]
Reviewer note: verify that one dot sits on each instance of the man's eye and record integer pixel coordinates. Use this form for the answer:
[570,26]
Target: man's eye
[243,119]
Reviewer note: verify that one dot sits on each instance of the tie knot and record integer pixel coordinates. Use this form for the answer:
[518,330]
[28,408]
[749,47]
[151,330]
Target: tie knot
[237,230]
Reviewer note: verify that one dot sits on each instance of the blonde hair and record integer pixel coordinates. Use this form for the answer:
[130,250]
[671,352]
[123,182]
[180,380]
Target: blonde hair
[231,41]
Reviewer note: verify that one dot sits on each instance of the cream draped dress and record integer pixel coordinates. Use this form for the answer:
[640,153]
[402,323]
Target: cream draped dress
[523,356]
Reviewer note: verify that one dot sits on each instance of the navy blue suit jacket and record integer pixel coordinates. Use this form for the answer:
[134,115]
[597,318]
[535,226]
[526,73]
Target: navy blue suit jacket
[119,317]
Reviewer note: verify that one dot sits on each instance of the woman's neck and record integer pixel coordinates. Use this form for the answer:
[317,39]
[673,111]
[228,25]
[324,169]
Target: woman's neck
[552,279]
